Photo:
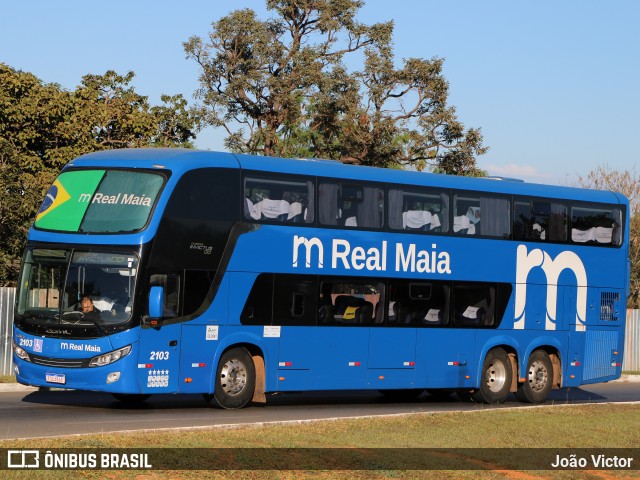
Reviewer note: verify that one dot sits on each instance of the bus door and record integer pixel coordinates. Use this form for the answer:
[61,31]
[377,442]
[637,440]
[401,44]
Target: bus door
[158,359]
[159,351]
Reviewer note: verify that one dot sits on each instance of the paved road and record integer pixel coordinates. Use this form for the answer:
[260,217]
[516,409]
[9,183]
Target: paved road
[33,413]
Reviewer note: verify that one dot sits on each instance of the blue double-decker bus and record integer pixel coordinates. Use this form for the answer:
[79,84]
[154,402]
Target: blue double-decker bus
[179,271]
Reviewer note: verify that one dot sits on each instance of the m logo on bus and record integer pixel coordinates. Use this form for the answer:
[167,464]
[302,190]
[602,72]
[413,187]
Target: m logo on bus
[308,246]
[552,268]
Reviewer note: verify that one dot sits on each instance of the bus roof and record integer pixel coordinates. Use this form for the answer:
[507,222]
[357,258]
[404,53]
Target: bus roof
[179,160]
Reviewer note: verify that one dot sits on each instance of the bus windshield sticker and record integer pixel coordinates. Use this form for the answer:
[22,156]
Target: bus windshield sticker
[99,201]
[67,200]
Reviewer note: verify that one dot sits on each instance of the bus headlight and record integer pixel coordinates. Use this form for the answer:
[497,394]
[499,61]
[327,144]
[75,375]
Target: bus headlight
[110,357]
[20,353]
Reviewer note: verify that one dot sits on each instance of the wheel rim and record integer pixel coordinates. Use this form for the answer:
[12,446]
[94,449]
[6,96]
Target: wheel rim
[496,376]
[538,376]
[233,377]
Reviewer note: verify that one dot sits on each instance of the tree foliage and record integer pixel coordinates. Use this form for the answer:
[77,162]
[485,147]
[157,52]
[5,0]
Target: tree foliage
[281,87]
[42,127]
[626,182]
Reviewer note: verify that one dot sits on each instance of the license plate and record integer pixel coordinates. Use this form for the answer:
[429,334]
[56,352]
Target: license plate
[56,378]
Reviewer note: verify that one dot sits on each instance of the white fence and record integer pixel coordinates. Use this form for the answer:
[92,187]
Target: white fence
[631,360]
[7,300]
[7,297]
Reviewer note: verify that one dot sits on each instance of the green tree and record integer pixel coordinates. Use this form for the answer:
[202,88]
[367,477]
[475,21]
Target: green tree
[280,87]
[626,182]
[42,127]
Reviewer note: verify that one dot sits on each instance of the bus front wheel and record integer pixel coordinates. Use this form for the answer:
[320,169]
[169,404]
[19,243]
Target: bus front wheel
[235,379]
[538,379]
[496,378]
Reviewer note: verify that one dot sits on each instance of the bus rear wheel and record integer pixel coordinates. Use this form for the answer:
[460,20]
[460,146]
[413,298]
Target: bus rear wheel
[235,379]
[496,378]
[538,379]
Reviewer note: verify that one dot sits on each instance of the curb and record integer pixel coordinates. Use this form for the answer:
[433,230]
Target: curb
[16,387]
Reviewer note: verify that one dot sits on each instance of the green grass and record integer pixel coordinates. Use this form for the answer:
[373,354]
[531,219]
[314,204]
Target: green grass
[7,379]
[588,426]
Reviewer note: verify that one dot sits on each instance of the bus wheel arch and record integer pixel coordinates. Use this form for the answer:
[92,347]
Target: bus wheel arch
[239,374]
[496,379]
[541,374]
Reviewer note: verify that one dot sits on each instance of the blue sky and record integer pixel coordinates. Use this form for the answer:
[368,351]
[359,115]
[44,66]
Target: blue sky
[554,85]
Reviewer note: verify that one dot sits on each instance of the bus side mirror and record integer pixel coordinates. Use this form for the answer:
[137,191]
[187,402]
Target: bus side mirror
[156,302]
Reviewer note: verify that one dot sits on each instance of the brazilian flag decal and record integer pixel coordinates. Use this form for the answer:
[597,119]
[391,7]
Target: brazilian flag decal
[67,200]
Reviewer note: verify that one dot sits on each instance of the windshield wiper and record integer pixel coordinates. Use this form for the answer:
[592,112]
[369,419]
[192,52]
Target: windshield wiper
[78,318]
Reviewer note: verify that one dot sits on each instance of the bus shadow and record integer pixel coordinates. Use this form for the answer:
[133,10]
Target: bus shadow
[101,400]
[574,395]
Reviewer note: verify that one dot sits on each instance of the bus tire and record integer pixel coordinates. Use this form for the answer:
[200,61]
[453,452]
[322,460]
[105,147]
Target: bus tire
[538,379]
[235,379]
[130,398]
[496,378]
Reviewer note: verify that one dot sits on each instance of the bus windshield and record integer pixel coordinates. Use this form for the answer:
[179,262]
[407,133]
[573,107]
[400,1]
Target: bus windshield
[88,292]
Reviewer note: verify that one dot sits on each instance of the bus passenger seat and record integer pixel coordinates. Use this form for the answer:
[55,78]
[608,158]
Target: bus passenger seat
[416,220]
[351,222]
[365,313]
[461,224]
[325,314]
[295,213]
[250,210]
[472,315]
[274,209]
[433,317]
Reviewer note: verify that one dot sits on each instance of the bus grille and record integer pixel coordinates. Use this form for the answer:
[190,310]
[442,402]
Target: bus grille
[60,362]
[609,306]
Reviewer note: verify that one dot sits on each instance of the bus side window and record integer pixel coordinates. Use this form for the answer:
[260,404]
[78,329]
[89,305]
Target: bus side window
[196,286]
[171,286]
[418,303]
[295,300]
[259,305]
[539,221]
[415,210]
[288,200]
[352,302]
[482,215]
[596,225]
[474,304]
[350,205]
[466,215]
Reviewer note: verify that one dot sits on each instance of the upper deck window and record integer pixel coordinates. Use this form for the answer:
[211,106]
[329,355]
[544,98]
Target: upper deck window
[350,205]
[596,225]
[418,210]
[539,221]
[485,215]
[278,200]
[99,201]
